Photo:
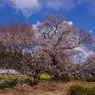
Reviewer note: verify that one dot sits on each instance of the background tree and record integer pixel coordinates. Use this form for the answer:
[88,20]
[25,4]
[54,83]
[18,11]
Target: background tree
[89,66]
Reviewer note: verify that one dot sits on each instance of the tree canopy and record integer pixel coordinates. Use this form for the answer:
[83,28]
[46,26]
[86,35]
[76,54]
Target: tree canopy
[56,40]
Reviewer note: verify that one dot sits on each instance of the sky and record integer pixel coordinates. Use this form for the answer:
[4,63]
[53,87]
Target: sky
[80,12]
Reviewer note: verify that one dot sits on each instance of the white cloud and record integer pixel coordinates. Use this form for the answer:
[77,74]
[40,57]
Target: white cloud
[81,53]
[35,25]
[91,7]
[23,4]
[68,22]
[81,1]
[28,7]
[63,4]
[71,4]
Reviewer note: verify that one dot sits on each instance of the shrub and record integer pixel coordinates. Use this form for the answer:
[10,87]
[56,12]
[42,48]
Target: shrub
[90,91]
[90,79]
[66,78]
[3,56]
[7,84]
[10,81]
[76,90]
[79,78]
[63,78]
[80,90]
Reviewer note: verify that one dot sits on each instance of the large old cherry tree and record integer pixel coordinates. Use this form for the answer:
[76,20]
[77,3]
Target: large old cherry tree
[52,46]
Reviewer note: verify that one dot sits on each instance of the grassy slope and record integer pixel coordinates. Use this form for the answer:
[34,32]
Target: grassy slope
[45,88]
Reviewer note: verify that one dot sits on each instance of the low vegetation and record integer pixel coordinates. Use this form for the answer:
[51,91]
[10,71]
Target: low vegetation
[81,90]
[46,88]
[14,80]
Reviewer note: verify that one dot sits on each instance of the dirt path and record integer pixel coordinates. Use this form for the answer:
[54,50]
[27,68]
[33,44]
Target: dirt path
[45,88]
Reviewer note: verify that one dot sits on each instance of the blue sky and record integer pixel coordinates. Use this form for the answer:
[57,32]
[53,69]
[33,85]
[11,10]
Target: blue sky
[80,12]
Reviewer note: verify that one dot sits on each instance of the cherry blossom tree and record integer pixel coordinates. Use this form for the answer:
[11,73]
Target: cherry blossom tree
[88,66]
[57,38]
[15,39]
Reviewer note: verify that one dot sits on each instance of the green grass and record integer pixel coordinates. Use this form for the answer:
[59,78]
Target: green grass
[13,80]
[81,90]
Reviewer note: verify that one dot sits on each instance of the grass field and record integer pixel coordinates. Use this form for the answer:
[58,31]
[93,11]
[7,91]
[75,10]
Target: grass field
[44,88]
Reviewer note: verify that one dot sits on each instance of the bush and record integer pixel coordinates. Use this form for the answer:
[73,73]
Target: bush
[63,78]
[90,79]
[10,81]
[3,56]
[90,91]
[77,90]
[66,78]
[7,84]
[80,90]
[79,78]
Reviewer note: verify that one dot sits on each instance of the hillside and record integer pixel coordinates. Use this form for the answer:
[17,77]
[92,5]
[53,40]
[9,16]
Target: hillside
[44,88]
